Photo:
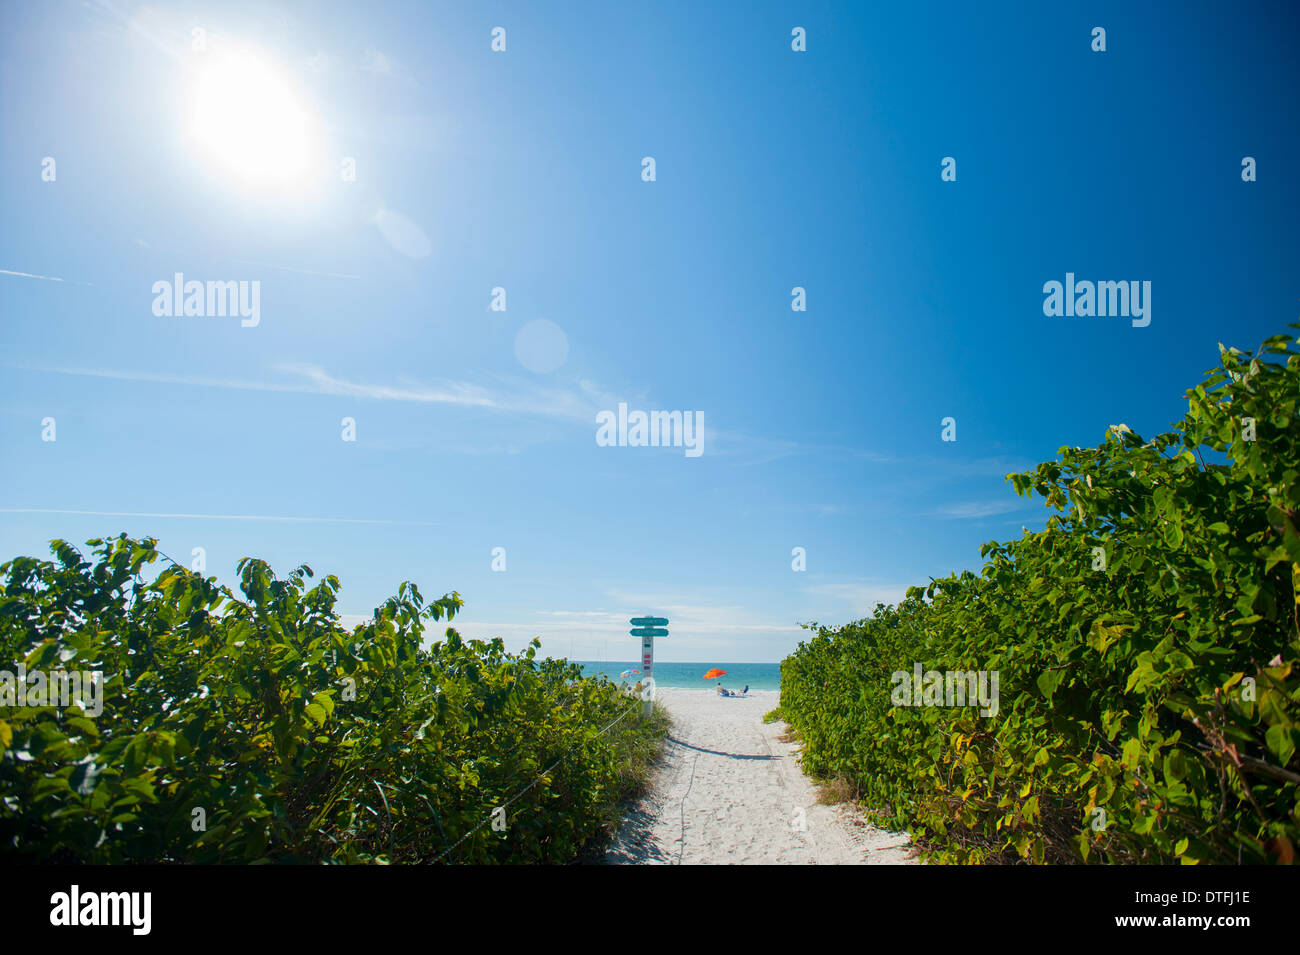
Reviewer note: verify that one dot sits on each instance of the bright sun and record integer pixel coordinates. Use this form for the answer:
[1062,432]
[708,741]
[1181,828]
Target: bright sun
[247,119]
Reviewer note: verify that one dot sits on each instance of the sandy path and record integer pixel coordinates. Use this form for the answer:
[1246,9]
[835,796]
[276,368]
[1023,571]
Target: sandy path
[729,791]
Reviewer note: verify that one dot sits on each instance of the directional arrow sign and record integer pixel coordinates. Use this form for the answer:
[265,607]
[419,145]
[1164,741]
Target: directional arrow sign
[647,628]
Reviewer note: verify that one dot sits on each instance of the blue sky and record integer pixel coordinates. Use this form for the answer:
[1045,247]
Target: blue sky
[522,169]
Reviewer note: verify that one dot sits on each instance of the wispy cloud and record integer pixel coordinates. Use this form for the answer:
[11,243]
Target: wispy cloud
[578,402]
[696,617]
[976,509]
[290,268]
[693,621]
[753,449]
[699,630]
[452,393]
[860,594]
[997,466]
[216,517]
[44,278]
[376,61]
[29,275]
[311,379]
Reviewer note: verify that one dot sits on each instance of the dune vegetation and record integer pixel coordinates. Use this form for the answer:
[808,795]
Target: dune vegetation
[255,728]
[1146,645]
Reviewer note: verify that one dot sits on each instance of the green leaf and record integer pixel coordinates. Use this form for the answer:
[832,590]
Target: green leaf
[1281,742]
[1175,765]
[1048,681]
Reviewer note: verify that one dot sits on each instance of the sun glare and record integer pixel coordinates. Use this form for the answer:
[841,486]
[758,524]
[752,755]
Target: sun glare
[247,119]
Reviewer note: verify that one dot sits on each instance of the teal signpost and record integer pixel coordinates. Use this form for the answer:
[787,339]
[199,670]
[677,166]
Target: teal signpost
[647,628]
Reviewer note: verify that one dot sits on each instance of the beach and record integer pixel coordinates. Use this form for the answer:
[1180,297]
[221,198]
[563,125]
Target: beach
[729,792]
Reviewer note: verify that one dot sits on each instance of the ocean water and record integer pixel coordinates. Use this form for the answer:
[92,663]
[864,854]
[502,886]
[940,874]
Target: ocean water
[759,676]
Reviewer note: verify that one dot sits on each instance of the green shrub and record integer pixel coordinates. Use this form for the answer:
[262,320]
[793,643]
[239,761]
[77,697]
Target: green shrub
[289,738]
[1147,645]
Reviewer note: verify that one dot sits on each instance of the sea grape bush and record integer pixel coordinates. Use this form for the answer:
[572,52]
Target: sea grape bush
[1147,642]
[258,729]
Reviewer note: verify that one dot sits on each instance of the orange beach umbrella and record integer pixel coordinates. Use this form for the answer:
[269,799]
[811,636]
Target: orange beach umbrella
[714,673]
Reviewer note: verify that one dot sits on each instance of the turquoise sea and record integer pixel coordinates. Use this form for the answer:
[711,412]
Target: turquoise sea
[759,676]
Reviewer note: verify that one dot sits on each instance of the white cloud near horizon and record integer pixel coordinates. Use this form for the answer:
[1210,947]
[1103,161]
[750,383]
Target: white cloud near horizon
[698,631]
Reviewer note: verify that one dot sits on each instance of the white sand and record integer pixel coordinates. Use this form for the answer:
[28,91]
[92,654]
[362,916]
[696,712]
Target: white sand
[729,791]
